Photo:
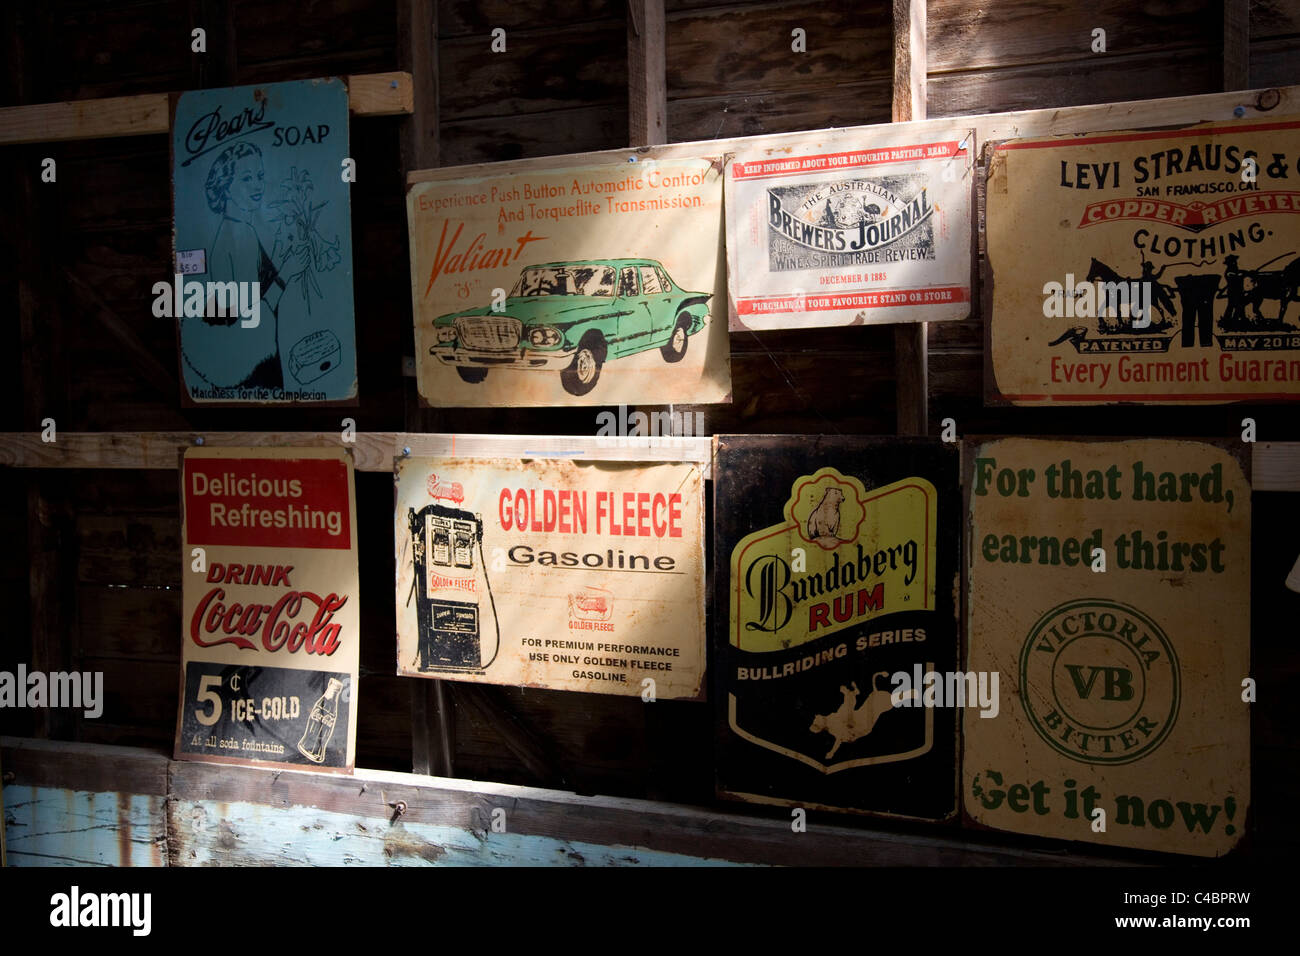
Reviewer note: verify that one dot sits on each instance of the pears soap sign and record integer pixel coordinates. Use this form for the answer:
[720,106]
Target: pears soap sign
[262,286]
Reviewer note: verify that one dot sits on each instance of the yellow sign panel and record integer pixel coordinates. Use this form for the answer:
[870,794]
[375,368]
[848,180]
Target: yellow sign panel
[1149,266]
[1110,590]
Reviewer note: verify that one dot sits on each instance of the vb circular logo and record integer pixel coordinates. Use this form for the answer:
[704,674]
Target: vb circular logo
[1099,681]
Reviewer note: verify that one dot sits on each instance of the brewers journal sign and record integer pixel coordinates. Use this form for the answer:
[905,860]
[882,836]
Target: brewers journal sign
[586,286]
[262,288]
[1150,266]
[849,230]
[552,573]
[271,639]
[1110,587]
[838,558]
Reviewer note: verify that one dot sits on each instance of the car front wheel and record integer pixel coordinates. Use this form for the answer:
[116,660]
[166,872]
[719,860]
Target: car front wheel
[471,375]
[675,350]
[581,376]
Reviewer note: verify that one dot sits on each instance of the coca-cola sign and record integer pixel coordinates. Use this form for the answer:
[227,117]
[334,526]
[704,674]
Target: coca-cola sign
[270,644]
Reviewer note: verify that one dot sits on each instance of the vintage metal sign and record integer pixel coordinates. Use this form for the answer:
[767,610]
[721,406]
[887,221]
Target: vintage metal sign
[1149,266]
[838,559]
[595,285]
[584,576]
[262,287]
[1110,589]
[851,229]
[271,625]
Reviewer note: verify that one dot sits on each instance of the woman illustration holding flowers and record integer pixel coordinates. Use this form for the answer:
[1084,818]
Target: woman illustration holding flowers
[220,348]
[224,352]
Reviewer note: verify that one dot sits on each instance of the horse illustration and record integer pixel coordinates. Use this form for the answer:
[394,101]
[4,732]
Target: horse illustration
[1160,297]
[1257,285]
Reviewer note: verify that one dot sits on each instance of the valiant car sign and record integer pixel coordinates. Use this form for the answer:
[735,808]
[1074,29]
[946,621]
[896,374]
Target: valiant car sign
[845,232]
[594,285]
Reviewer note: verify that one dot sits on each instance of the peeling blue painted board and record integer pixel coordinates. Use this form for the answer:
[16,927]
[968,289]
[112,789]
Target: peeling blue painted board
[53,827]
[254,835]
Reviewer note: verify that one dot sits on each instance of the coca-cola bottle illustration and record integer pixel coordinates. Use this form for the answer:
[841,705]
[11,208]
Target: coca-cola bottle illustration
[320,725]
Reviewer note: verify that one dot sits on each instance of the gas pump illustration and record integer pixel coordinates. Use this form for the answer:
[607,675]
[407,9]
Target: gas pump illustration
[447,584]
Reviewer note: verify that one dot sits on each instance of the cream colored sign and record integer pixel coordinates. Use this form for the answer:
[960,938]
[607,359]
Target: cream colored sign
[584,576]
[1149,266]
[271,626]
[1110,590]
[850,229]
[595,285]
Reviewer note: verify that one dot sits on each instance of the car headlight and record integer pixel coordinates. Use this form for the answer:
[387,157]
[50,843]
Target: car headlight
[445,333]
[543,336]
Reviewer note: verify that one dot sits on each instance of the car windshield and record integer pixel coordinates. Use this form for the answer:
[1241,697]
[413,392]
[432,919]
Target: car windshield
[565,280]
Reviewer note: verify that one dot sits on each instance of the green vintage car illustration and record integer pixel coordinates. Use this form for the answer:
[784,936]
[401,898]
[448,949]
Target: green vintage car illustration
[574,317]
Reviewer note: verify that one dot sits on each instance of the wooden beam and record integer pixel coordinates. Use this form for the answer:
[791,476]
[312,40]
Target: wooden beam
[1236,44]
[911,340]
[218,814]
[369,94]
[647,77]
[51,581]
[135,351]
[530,749]
[433,745]
[372,451]
[1169,111]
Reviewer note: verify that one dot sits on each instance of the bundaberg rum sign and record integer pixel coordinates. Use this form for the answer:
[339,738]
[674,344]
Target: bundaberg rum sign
[838,558]
[1110,589]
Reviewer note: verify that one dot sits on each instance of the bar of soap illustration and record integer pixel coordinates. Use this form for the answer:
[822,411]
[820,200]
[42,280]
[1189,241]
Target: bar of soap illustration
[314,355]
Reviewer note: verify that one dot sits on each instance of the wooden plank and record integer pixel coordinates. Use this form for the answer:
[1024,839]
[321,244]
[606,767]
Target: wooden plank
[909,60]
[372,451]
[1275,466]
[911,342]
[84,805]
[1130,114]
[380,94]
[1002,33]
[374,94]
[612,829]
[431,725]
[1077,83]
[758,113]
[1236,44]
[458,18]
[137,354]
[729,49]
[52,556]
[550,134]
[580,65]
[647,85]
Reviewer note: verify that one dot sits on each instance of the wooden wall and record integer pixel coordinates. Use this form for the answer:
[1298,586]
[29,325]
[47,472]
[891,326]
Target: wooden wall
[78,258]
